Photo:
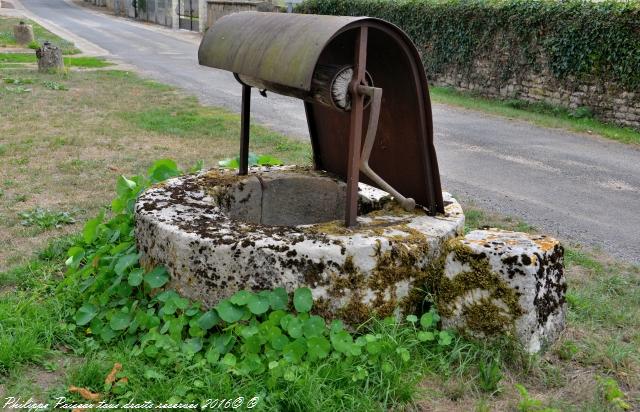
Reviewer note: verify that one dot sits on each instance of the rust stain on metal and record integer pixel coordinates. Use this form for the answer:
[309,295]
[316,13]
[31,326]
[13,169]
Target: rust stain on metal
[281,52]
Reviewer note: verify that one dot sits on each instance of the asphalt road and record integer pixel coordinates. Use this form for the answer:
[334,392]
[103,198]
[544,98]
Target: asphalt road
[580,188]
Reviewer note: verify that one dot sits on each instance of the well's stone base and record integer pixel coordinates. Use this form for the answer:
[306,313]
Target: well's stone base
[498,281]
[209,231]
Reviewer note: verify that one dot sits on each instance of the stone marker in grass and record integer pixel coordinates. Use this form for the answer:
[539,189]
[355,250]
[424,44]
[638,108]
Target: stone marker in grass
[498,282]
[49,57]
[23,33]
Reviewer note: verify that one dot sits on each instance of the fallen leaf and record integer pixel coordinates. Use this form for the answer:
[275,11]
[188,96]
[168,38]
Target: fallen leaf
[111,377]
[85,393]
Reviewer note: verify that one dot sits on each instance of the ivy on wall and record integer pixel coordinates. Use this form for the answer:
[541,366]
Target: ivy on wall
[574,39]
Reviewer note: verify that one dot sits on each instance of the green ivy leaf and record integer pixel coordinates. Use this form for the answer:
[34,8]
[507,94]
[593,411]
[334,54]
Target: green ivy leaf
[85,314]
[157,277]
[208,320]
[302,300]
[120,321]
[229,312]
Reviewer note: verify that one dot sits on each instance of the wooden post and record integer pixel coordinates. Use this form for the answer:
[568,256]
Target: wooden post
[245,123]
[355,128]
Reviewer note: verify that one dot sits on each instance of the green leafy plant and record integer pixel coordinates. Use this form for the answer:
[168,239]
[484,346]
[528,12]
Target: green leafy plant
[267,332]
[33,44]
[490,375]
[50,84]
[9,80]
[529,404]
[254,160]
[18,89]
[612,393]
[45,218]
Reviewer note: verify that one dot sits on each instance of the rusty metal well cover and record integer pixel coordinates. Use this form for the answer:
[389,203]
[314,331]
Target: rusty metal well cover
[282,51]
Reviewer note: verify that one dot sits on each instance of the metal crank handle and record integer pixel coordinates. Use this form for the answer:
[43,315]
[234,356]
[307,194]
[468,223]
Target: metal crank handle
[375,94]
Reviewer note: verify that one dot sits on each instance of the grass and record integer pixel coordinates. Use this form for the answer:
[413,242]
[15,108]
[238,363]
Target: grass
[537,113]
[111,123]
[40,33]
[85,62]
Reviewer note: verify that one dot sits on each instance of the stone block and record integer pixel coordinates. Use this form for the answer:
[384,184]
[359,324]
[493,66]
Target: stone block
[498,282]
[23,33]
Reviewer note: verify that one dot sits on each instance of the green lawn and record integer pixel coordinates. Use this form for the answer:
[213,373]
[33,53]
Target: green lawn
[85,62]
[40,33]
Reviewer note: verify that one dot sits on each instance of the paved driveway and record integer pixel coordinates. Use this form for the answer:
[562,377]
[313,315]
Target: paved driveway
[580,188]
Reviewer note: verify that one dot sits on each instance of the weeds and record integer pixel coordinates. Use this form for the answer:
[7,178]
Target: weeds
[45,219]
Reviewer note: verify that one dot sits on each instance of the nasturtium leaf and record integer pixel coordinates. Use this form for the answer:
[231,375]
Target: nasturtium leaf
[252,345]
[294,328]
[314,326]
[157,277]
[279,299]
[153,374]
[294,351]
[169,308]
[212,356]
[135,277]
[85,314]
[229,360]
[374,347]
[302,299]
[241,297]
[426,336]
[192,345]
[120,321]
[404,354]
[258,304]
[336,326]
[90,230]
[276,316]
[107,333]
[429,320]
[444,338]
[76,254]
[318,347]
[180,302]
[208,320]
[223,343]
[412,318]
[163,169]
[387,367]
[125,262]
[279,342]
[229,312]
[167,295]
[124,186]
[342,341]
[247,331]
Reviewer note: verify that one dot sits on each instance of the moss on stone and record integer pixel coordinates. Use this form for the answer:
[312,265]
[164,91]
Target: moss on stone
[484,316]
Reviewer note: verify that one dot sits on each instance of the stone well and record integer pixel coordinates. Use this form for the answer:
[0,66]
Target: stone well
[217,233]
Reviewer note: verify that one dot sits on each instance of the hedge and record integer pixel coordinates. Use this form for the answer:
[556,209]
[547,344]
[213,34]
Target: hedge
[575,39]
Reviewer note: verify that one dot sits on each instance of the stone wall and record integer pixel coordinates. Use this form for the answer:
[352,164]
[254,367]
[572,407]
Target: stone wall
[608,101]
[218,8]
